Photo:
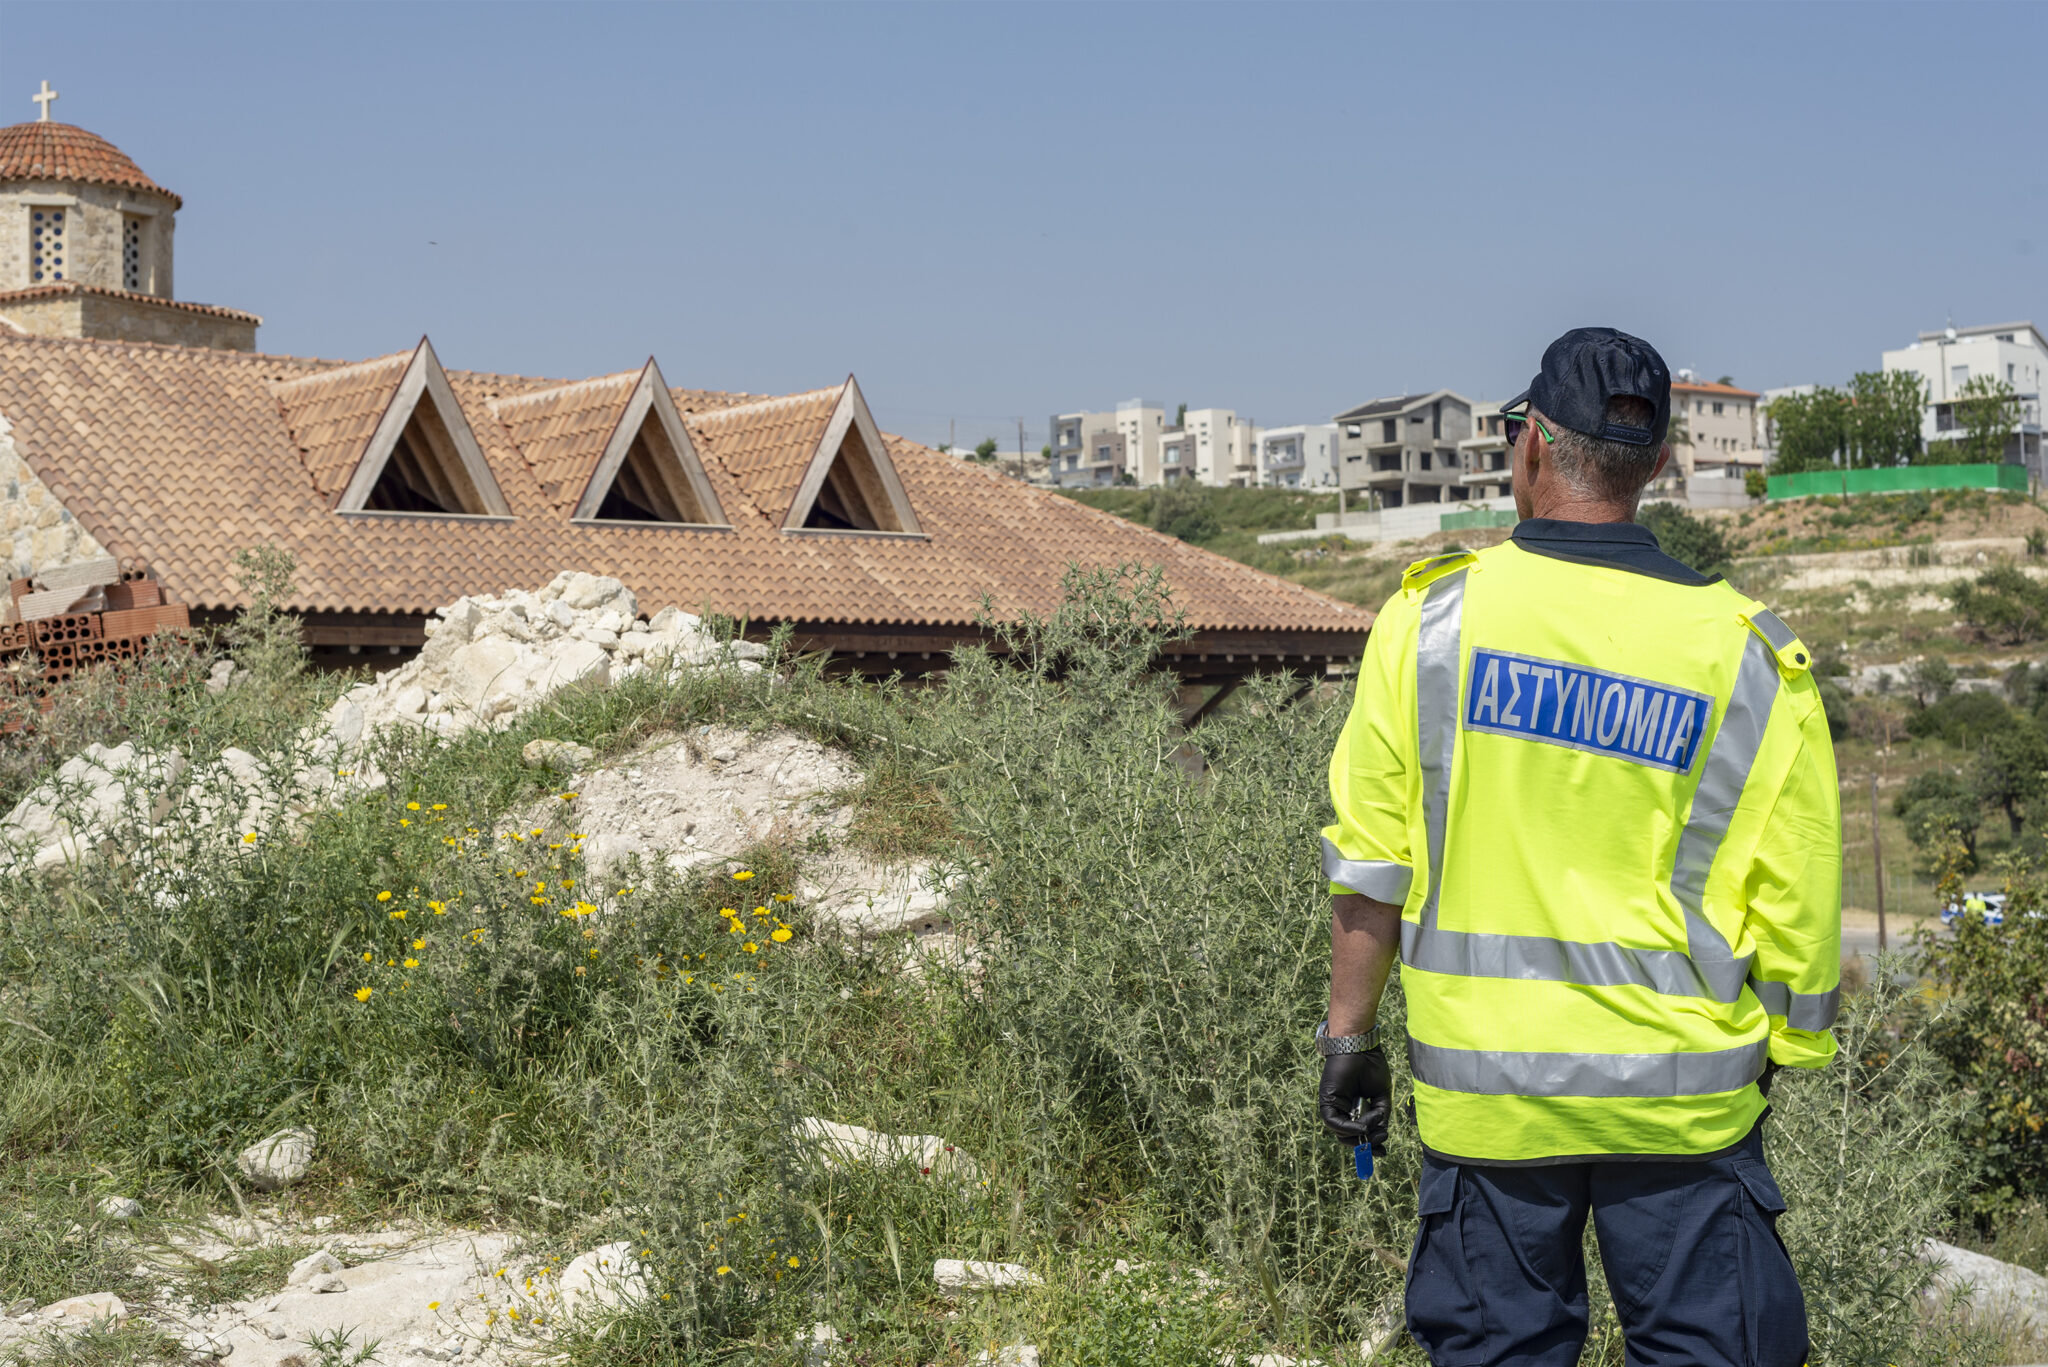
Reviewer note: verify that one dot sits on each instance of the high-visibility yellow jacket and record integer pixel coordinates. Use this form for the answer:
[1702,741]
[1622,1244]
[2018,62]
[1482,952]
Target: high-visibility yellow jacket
[1606,804]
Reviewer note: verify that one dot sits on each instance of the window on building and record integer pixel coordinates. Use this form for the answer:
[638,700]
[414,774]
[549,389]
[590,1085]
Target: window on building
[1102,455]
[1959,375]
[1354,430]
[1388,430]
[2005,336]
[1425,460]
[2009,369]
[45,245]
[1717,409]
[133,275]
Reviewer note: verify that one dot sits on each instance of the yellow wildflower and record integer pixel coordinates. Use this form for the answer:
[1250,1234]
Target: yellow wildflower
[438,908]
[404,821]
[384,896]
[398,915]
[412,963]
[440,806]
[794,1261]
[363,993]
[751,947]
[723,1270]
[568,797]
[743,875]
[781,935]
[580,970]
[412,806]
[433,1305]
[366,956]
[785,897]
[249,839]
[419,944]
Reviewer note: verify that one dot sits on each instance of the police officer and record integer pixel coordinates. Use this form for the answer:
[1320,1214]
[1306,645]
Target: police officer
[1587,795]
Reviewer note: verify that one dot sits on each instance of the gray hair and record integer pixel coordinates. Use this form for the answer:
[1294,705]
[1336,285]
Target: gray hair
[1611,470]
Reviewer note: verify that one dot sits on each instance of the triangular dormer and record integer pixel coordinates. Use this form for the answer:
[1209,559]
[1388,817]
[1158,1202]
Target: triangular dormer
[851,484]
[650,471]
[423,458]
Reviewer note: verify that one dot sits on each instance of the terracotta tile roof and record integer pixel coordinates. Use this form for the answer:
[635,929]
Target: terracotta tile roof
[766,446]
[330,416]
[60,288]
[562,431]
[1728,390]
[62,151]
[181,457]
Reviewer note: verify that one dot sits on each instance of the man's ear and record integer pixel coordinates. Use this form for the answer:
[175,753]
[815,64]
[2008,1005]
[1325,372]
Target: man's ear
[1663,459]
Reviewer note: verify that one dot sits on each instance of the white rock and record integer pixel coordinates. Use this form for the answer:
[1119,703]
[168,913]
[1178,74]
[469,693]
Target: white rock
[840,1145]
[103,1306]
[410,701]
[565,756]
[1011,1355]
[313,1265]
[279,1160]
[605,1278]
[671,621]
[574,664]
[821,1346]
[120,1208]
[634,644]
[482,671]
[1998,1290]
[220,676]
[955,1275]
[326,1283]
[748,650]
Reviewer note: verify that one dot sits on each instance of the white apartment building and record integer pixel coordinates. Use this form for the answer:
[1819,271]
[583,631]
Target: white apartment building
[1720,425]
[1303,456]
[1096,449]
[1484,455]
[1947,360]
[1222,446]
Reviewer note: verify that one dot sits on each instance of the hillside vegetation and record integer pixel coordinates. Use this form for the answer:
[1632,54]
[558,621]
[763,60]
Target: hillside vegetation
[484,1034]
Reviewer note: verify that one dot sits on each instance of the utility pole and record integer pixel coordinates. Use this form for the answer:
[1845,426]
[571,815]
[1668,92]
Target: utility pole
[952,437]
[1020,450]
[1877,856]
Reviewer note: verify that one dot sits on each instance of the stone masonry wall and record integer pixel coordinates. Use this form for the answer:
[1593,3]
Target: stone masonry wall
[128,320]
[92,232]
[36,532]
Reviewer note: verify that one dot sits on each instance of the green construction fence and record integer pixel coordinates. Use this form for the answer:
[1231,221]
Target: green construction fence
[1476,517]
[1898,479]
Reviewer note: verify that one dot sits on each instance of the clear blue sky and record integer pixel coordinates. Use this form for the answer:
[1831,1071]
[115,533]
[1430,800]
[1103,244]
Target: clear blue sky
[992,211]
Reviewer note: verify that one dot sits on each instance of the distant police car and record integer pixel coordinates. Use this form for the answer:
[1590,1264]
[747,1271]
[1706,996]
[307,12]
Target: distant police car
[1991,905]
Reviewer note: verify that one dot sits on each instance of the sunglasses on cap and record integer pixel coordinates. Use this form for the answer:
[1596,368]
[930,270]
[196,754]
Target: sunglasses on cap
[1511,425]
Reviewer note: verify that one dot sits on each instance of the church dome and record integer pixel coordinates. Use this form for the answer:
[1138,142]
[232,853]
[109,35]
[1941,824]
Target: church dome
[62,151]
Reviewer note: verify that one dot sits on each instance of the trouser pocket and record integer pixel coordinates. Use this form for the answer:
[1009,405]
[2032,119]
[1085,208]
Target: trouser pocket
[1774,1311]
[1443,1309]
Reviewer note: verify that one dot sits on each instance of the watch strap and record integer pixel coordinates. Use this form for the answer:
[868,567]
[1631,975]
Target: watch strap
[1328,1044]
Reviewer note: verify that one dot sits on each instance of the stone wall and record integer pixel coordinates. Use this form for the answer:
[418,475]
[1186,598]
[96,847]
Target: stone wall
[129,319]
[93,223]
[36,531]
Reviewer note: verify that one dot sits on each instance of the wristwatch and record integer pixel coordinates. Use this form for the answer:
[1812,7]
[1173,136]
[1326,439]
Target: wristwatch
[1328,1044]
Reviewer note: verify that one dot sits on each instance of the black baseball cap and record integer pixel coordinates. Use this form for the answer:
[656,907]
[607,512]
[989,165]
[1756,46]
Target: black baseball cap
[1585,368]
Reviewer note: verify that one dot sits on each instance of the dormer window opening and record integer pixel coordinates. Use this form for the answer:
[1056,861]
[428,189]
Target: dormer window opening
[46,245]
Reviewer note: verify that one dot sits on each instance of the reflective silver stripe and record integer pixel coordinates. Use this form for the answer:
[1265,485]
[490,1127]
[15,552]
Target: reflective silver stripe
[1773,629]
[1726,773]
[1495,1073]
[1380,879]
[1436,716]
[1536,958]
[1801,1010]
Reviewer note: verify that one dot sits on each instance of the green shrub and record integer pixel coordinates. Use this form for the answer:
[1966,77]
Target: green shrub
[1184,510]
[1938,807]
[2004,604]
[1694,540]
[1995,1043]
[1963,720]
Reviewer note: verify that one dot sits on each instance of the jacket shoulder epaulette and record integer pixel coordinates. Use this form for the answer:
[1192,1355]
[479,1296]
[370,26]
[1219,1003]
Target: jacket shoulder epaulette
[1793,656]
[1427,571]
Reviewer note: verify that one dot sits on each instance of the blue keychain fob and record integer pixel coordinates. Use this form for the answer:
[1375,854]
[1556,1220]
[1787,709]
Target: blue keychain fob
[1362,1157]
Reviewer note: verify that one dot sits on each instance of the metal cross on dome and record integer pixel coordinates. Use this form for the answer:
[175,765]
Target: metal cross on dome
[43,98]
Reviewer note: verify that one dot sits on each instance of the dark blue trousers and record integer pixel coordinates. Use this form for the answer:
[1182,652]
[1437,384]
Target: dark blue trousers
[1691,1249]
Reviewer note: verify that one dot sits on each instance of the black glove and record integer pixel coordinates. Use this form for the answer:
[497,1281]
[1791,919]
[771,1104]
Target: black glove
[1763,1084]
[1362,1083]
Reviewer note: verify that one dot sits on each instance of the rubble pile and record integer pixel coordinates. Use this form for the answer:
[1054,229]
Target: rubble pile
[489,659]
